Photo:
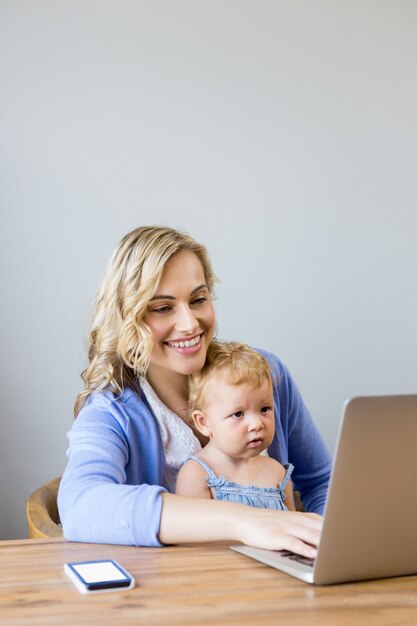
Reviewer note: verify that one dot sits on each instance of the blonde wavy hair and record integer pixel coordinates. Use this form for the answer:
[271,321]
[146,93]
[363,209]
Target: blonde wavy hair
[120,343]
[236,363]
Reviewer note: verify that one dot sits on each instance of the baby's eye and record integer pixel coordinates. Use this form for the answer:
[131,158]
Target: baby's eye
[238,414]
[266,409]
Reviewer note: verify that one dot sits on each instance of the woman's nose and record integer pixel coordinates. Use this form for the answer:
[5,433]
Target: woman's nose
[186,321]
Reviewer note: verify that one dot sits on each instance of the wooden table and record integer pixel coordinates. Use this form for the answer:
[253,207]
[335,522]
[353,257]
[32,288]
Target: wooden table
[204,584]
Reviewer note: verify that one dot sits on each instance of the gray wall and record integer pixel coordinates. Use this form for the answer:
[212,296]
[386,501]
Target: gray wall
[282,134]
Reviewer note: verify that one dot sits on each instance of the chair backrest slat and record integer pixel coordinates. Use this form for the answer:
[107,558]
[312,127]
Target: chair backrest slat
[42,512]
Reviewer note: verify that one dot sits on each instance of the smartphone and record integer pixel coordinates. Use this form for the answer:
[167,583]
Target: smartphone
[98,576]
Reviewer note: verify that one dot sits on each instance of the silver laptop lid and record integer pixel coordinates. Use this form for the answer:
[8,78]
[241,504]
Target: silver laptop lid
[370,524]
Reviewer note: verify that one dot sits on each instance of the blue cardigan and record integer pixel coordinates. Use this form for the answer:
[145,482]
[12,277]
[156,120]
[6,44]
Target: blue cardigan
[111,488]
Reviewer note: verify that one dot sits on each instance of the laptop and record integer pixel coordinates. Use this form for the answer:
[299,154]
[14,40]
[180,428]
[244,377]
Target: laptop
[370,519]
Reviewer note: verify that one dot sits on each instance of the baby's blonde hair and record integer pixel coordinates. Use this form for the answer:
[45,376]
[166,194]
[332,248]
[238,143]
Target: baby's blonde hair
[120,343]
[235,363]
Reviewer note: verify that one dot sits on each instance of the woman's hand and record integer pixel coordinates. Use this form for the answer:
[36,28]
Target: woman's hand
[189,520]
[280,530]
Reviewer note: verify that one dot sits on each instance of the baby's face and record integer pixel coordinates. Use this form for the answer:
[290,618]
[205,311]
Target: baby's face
[240,418]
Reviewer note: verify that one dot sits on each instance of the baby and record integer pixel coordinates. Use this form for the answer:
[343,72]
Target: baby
[232,403]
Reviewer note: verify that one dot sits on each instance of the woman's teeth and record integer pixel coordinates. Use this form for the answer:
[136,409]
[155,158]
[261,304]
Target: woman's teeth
[185,344]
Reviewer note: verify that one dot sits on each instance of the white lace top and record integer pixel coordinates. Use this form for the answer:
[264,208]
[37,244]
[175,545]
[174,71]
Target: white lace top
[178,440]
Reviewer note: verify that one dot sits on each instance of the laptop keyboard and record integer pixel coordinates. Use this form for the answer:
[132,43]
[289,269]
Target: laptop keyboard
[297,557]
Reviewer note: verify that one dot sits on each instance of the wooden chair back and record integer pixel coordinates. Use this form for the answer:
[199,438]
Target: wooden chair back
[297,502]
[42,512]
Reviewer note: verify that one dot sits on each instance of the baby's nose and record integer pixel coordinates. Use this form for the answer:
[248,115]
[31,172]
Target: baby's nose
[255,422]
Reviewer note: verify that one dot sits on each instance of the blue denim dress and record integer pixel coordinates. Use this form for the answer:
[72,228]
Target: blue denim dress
[260,497]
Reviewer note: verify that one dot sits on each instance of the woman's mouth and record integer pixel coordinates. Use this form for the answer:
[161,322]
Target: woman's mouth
[186,346]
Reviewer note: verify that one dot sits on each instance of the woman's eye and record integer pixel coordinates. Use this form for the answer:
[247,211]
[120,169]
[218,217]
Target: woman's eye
[161,309]
[266,409]
[199,300]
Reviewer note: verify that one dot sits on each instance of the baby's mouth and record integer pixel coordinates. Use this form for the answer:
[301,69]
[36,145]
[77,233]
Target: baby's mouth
[255,442]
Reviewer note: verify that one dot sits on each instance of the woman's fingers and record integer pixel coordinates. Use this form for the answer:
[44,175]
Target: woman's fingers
[300,539]
[282,530]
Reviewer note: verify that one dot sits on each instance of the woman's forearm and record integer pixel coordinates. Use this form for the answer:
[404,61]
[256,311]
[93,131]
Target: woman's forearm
[189,520]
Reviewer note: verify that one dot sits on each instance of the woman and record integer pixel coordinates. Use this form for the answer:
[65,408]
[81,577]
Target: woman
[152,325]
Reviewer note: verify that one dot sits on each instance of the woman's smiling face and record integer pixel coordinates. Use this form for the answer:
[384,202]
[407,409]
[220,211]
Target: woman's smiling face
[181,317]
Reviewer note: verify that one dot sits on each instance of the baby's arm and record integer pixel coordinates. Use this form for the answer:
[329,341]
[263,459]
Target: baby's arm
[289,496]
[275,474]
[289,493]
[191,481]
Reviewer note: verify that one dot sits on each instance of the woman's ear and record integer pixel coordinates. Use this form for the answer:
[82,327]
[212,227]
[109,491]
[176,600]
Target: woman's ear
[200,422]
